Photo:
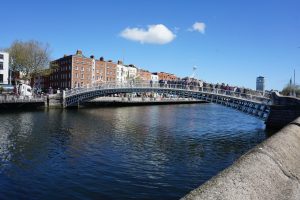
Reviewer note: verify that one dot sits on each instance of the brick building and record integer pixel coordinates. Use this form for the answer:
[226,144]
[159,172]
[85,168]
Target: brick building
[165,76]
[77,71]
[144,75]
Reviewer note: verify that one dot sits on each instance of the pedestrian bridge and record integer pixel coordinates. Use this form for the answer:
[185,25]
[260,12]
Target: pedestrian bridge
[253,104]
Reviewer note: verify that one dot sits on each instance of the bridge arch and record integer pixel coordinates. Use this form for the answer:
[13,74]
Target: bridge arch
[255,105]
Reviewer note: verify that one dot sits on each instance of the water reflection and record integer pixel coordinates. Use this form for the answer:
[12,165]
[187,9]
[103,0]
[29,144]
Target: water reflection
[120,153]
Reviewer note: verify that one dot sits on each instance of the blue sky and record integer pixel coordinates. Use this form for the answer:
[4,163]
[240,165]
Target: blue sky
[240,41]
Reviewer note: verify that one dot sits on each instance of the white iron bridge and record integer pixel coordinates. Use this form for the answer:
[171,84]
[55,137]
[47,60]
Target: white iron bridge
[252,103]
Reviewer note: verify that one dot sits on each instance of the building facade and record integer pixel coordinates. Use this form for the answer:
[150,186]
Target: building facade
[121,73]
[154,78]
[165,76]
[4,68]
[143,75]
[132,72]
[79,71]
[73,71]
[260,83]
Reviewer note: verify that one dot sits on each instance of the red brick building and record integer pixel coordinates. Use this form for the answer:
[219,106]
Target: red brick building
[144,75]
[166,76]
[77,71]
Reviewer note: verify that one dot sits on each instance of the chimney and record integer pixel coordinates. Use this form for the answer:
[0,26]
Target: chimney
[92,56]
[65,55]
[120,62]
[78,52]
[101,58]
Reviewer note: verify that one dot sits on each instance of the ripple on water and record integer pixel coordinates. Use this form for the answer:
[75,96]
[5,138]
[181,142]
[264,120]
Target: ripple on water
[151,152]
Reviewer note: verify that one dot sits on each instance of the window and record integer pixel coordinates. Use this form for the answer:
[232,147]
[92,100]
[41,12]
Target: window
[1,56]
[1,78]
[82,76]
[82,68]
[1,65]
[76,67]
[76,75]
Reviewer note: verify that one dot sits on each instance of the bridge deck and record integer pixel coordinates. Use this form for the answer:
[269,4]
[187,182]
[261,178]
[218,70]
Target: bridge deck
[255,104]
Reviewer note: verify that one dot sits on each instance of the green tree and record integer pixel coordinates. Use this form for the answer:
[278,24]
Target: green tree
[289,90]
[30,58]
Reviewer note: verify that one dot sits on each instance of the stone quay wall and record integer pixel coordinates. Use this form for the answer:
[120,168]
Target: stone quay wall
[271,170]
[282,111]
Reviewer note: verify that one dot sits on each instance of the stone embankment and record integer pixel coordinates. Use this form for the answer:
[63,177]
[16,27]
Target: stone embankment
[271,170]
[282,111]
[54,101]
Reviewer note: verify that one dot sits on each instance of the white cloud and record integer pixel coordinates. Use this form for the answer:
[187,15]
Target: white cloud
[155,34]
[198,26]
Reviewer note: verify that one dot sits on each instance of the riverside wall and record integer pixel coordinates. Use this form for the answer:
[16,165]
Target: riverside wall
[54,101]
[282,111]
[271,171]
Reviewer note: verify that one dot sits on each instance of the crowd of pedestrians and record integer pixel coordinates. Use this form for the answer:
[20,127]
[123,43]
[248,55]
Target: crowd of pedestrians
[195,84]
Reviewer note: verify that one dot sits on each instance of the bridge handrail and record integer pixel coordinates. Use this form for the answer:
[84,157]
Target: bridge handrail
[20,99]
[116,85]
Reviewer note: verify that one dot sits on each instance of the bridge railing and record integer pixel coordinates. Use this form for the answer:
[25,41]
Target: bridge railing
[250,95]
[20,99]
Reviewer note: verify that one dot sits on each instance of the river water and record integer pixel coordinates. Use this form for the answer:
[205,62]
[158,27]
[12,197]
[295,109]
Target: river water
[146,152]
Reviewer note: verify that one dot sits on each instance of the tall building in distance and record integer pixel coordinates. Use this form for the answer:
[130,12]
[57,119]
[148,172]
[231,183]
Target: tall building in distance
[260,83]
[4,69]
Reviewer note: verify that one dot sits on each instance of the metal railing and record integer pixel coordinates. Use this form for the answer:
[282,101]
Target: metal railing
[248,95]
[20,99]
[141,99]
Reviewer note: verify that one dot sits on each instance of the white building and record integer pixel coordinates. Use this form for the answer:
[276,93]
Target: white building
[122,73]
[4,69]
[125,73]
[132,72]
[154,78]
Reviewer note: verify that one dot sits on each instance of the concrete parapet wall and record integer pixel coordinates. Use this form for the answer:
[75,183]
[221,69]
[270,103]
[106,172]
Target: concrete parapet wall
[271,170]
[281,115]
[283,111]
[278,99]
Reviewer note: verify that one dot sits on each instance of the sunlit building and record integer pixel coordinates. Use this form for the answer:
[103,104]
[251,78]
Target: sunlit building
[4,68]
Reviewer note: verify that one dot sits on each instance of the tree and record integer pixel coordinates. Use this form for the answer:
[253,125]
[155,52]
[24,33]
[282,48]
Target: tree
[29,58]
[289,89]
